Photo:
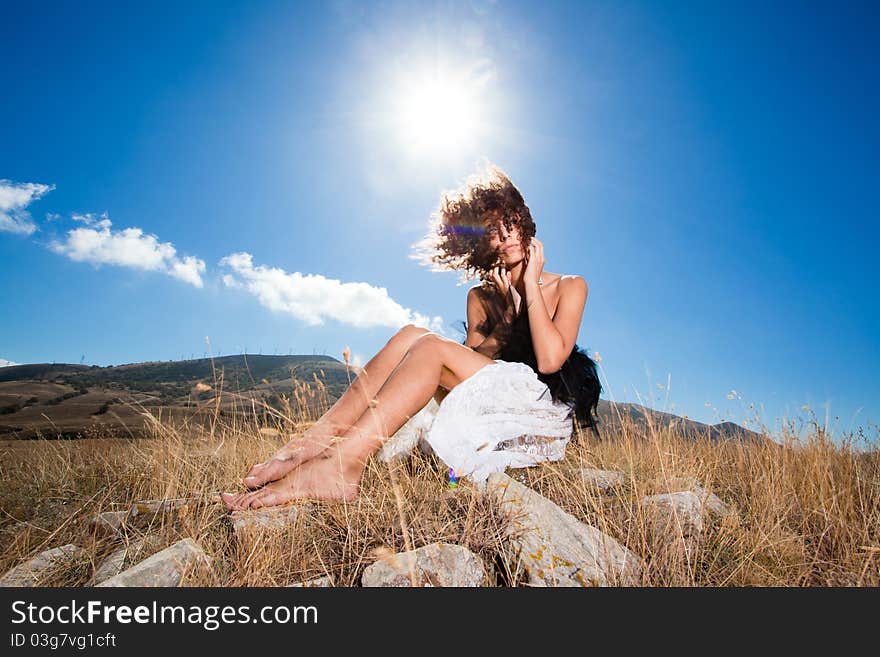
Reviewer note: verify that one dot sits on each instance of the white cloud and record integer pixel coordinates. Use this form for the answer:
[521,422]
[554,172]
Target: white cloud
[313,298]
[189,270]
[98,244]
[88,218]
[7,363]
[14,198]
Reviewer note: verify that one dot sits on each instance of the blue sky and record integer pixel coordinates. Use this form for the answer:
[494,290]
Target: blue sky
[256,173]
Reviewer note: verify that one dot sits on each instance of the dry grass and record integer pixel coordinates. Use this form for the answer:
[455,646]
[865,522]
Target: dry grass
[807,512]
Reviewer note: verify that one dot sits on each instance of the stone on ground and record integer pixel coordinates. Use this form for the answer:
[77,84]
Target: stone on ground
[35,571]
[601,480]
[124,557]
[109,523]
[320,582]
[410,435]
[554,547]
[438,564]
[676,514]
[153,508]
[269,518]
[710,501]
[165,568]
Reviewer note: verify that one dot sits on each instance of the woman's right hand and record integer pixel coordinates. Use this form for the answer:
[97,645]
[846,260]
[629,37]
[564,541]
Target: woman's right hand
[501,276]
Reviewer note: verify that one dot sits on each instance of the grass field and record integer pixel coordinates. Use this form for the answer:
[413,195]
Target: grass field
[807,512]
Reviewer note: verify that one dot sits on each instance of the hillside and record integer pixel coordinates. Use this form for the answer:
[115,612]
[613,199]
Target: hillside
[59,400]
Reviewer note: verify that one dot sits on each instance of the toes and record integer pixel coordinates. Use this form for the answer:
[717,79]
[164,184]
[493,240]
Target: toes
[240,501]
[268,497]
[253,478]
[257,478]
[233,501]
[258,501]
[245,501]
[268,471]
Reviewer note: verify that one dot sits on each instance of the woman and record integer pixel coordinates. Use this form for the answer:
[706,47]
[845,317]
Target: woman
[526,378]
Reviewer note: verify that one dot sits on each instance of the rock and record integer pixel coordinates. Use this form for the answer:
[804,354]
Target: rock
[153,508]
[679,514]
[269,518]
[556,548]
[411,434]
[165,568]
[710,502]
[109,523]
[678,519]
[112,565]
[120,559]
[438,564]
[35,571]
[321,582]
[602,480]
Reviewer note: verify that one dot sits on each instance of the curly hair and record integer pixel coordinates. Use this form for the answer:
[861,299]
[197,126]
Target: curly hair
[459,237]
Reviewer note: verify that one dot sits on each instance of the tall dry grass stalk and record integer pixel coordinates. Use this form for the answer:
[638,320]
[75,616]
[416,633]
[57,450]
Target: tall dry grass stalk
[807,512]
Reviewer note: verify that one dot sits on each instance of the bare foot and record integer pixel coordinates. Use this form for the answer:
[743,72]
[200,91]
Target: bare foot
[293,454]
[321,478]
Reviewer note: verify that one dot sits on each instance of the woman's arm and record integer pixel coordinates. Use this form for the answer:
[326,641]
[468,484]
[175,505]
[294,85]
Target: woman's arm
[553,340]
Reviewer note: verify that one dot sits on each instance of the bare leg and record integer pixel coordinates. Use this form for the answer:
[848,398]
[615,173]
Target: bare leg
[336,421]
[431,362]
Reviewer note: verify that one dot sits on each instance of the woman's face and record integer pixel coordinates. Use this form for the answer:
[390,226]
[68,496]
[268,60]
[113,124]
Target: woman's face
[506,243]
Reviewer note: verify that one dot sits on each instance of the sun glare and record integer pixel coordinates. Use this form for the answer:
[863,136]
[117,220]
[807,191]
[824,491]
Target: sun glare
[438,113]
[435,115]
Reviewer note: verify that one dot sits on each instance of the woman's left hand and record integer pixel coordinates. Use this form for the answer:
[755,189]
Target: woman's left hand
[535,264]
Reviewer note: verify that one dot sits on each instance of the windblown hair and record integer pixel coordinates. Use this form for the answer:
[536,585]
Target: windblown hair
[458,238]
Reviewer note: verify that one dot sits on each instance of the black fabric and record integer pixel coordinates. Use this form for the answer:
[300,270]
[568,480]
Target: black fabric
[575,384]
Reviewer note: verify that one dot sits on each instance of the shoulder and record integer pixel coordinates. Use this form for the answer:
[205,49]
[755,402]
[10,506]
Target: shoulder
[571,281]
[573,285]
[476,298]
[475,293]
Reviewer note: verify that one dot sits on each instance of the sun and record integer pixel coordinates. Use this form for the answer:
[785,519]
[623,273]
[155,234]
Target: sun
[436,112]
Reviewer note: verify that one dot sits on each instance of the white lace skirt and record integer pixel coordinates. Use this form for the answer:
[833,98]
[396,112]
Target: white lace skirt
[502,416]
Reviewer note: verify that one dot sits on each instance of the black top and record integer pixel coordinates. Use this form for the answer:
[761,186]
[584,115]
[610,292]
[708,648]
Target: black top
[576,383]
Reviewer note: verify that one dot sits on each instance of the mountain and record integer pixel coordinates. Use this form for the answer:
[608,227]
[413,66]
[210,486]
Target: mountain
[613,416]
[60,400]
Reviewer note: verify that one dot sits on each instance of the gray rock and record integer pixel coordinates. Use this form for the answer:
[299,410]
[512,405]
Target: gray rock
[153,508]
[112,565]
[109,523]
[677,514]
[35,571]
[556,548]
[410,435]
[710,502]
[676,522]
[267,519]
[438,564]
[601,480]
[165,568]
[320,582]
[124,557]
